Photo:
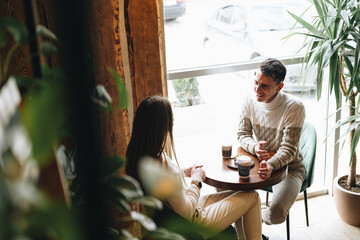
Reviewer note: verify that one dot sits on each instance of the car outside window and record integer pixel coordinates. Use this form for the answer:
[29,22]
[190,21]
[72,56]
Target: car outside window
[226,15]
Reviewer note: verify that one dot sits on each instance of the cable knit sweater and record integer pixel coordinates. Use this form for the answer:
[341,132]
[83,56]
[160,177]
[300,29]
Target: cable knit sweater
[278,122]
[185,202]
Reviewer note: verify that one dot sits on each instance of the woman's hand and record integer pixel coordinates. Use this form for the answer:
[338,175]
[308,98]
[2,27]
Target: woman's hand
[260,152]
[197,170]
[187,171]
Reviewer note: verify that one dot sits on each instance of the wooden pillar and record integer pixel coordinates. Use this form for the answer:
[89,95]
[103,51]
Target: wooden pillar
[144,30]
[105,51]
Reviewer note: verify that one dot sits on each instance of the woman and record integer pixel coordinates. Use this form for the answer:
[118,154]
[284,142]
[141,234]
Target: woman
[153,125]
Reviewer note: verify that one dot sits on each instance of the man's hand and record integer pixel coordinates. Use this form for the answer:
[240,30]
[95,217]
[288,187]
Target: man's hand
[264,170]
[260,152]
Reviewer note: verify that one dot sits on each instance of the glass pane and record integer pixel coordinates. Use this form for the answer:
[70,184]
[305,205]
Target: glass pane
[207,32]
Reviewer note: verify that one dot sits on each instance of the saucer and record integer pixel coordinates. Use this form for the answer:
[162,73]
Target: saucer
[230,163]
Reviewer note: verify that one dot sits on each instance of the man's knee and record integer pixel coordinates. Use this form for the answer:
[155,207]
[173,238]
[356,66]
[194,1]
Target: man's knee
[275,215]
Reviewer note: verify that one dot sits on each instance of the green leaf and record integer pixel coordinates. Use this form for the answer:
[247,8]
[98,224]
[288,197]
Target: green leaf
[147,222]
[322,12]
[47,49]
[127,186]
[16,28]
[150,201]
[355,142]
[334,77]
[2,38]
[27,82]
[345,17]
[45,32]
[111,165]
[308,26]
[44,115]
[123,95]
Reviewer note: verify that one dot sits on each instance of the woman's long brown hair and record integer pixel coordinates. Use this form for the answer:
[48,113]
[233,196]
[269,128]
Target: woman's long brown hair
[153,124]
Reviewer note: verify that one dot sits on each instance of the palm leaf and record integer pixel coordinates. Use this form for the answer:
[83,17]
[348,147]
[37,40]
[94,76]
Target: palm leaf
[334,77]
[345,17]
[308,26]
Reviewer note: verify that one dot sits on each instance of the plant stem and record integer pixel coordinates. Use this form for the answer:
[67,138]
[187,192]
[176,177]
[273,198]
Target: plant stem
[352,175]
[341,73]
[8,58]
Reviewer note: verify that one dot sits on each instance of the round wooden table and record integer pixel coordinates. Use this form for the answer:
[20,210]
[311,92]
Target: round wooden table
[219,175]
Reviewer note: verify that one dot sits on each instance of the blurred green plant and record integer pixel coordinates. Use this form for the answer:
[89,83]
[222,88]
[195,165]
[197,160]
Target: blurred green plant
[26,212]
[187,91]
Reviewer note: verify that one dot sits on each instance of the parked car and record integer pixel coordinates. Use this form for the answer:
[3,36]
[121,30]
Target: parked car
[243,30]
[174,9]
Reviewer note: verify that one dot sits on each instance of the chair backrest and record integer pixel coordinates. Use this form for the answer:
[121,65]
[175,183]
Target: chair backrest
[307,146]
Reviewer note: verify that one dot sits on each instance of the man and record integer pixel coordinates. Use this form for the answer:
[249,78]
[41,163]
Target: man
[271,120]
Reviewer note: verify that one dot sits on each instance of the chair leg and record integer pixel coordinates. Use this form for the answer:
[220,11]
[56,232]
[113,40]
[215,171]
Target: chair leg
[306,208]
[288,226]
[267,199]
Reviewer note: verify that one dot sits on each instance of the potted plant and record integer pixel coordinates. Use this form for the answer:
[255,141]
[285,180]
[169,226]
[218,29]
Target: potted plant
[333,41]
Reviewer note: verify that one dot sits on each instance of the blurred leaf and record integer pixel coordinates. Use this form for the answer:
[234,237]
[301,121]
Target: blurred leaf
[157,181]
[2,38]
[16,28]
[123,95]
[102,98]
[52,76]
[44,115]
[121,203]
[58,220]
[111,165]
[126,186]
[126,235]
[47,49]
[147,222]
[164,234]
[150,201]
[112,231]
[43,31]
[30,83]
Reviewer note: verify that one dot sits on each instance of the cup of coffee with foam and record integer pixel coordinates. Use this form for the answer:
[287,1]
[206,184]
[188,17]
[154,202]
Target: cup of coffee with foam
[244,165]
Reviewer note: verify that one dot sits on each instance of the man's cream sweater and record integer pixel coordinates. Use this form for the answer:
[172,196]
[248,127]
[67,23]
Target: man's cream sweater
[278,122]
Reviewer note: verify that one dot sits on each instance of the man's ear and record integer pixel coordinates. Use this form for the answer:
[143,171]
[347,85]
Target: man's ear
[280,86]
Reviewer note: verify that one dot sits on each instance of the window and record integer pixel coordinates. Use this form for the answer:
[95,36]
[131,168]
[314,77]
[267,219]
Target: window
[221,56]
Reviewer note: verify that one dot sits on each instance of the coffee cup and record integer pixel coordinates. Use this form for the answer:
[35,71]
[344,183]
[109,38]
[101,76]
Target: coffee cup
[226,151]
[244,165]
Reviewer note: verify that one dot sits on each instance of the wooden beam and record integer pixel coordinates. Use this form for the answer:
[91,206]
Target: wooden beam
[146,48]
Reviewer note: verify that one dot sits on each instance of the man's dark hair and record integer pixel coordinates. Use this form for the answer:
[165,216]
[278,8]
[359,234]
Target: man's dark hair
[273,68]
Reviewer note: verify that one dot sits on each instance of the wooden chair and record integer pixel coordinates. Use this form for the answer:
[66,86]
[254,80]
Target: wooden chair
[307,147]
